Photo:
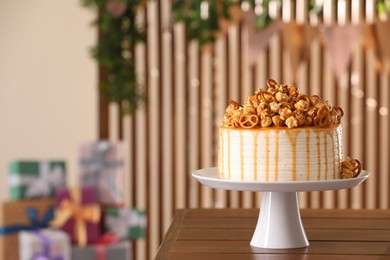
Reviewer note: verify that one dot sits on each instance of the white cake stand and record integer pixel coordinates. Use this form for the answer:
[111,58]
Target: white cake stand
[279,225]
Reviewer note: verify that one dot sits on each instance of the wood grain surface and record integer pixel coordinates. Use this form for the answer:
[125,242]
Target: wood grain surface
[226,233]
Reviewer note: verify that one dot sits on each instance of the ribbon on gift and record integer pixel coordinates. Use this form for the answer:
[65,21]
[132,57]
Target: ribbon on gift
[99,167]
[124,220]
[35,223]
[41,186]
[73,209]
[102,243]
[45,253]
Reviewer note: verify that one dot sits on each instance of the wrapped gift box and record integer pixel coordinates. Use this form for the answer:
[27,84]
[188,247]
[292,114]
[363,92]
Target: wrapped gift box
[119,251]
[125,223]
[21,215]
[78,214]
[101,165]
[35,179]
[44,244]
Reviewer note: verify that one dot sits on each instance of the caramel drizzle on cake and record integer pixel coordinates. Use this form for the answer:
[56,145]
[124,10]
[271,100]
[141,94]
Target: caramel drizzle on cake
[307,154]
[326,143]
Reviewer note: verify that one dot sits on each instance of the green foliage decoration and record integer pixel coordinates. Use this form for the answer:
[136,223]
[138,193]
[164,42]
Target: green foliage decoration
[204,29]
[198,25]
[119,32]
[383,7]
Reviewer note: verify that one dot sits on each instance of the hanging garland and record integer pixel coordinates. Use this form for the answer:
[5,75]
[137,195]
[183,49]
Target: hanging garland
[119,33]
[204,20]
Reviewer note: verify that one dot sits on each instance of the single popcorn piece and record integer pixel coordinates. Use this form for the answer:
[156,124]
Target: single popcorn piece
[265,121]
[275,106]
[281,97]
[277,120]
[248,109]
[300,118]
[302,105]
[293,91]
[292,122]
[285,113]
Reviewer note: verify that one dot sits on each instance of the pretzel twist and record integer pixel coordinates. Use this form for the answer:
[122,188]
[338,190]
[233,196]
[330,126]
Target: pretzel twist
[322,117]
[249,121]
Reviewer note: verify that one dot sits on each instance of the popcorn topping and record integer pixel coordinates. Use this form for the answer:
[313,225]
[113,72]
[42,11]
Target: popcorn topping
[281,105]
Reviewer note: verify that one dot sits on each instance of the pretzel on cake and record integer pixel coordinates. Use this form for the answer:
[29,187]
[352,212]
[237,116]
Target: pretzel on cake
[339,114]
[234,103]
[271,83]
[265,96]
[350,168]
[314,100]
[322,117]
[249,121]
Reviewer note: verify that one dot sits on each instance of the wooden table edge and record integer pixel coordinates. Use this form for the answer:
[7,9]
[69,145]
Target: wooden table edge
[171,235]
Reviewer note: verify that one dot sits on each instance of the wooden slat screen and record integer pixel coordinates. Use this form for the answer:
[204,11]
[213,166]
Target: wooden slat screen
[187,88]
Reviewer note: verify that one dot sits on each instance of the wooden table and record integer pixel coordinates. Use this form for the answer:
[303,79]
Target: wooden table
[225,234]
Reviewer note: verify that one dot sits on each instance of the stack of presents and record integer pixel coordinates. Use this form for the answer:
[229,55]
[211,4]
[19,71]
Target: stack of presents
[46,220]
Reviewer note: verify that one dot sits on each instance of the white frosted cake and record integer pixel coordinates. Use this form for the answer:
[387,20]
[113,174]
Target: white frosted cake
[268,154]
[282,135]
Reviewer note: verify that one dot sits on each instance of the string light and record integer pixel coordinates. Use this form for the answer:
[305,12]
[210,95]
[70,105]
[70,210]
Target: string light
[154,73]
[204,10]
[355,120]
[273,9]
[357,93]
[383,111]
[245,6]
[355,78]
[259,7]
[371,104]
[195,82]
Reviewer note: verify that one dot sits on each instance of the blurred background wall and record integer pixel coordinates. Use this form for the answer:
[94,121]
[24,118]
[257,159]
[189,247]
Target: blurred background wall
[48,98]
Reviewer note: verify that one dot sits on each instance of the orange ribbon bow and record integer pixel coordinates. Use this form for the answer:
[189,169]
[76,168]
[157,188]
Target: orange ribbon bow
[73,209]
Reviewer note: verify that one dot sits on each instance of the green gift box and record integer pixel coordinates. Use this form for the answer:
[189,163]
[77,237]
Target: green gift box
[35,179]
[125,223]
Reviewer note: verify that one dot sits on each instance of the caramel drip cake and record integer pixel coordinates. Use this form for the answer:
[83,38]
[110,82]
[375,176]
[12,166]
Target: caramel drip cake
[280,134]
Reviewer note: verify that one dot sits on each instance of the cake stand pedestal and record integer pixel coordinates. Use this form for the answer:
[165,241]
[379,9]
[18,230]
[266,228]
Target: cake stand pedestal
[279,225]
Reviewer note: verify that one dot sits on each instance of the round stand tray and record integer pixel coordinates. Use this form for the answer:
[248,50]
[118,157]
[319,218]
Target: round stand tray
[279,225]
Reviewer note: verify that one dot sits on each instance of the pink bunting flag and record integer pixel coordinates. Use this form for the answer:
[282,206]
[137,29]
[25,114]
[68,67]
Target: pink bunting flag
[309,34]
[369,40]
[224,24]
[297,40]
[382,35]
[116,8]
[258,40]
[340,42]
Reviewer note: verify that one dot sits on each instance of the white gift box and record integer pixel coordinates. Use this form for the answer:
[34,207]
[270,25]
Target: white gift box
[54,244]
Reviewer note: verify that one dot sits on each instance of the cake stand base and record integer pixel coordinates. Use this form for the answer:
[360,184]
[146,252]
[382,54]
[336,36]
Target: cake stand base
[279,224]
